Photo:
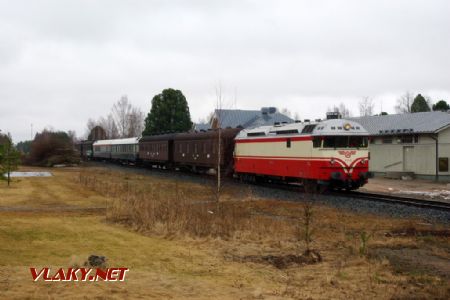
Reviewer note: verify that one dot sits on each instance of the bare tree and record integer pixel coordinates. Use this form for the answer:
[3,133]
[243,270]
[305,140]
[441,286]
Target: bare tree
[366,107]
[219,103]
[286,112]
[135,122]
[72,135]
[121,112]
[123,121]
[404,103]
[342,109]
[109,125]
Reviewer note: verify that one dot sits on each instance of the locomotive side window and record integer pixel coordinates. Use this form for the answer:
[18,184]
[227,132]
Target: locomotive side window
[288,143]
[317,142]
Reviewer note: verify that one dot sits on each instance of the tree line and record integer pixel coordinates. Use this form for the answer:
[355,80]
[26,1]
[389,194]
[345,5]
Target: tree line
[407,103]
[169,112]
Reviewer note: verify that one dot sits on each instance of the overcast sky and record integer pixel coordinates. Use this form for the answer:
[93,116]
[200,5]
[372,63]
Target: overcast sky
[62,62]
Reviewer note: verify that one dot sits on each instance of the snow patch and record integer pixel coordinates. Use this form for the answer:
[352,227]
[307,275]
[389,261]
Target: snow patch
[445,194]
[30,174]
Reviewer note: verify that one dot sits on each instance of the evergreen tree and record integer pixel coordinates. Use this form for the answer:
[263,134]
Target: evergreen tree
[419,104]
[9,159]
[441,106]
[169,113]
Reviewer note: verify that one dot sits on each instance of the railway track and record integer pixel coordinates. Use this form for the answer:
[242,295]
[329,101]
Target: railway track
[371,197]
[422,203]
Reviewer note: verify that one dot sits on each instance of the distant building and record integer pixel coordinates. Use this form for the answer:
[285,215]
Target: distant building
[235,118]
[97,133]
[414,143]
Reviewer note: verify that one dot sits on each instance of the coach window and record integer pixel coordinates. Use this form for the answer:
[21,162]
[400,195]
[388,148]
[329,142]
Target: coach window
[187,147]
[288,143]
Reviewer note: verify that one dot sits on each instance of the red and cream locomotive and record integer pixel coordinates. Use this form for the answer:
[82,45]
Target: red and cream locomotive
[331,153]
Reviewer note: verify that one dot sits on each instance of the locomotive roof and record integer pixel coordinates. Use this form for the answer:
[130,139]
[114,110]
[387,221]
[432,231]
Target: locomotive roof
[127,141]
[326,127]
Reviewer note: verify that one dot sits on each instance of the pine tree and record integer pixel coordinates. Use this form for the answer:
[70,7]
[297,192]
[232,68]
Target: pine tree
[420,104]
[441,106]
[9,159]
[169,113]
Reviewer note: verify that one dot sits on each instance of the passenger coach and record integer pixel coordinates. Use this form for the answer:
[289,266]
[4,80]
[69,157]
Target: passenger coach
[123,150]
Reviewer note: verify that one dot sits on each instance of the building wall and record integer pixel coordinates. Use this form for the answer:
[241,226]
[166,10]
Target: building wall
[391,157]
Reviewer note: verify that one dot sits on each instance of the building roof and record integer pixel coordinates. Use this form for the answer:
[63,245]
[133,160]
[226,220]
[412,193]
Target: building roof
[247,118]
[409,123]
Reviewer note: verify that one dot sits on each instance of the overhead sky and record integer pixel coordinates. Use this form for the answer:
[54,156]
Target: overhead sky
[62,62]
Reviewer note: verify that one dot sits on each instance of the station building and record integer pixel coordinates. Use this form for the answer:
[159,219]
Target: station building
[237,118]
[415,144]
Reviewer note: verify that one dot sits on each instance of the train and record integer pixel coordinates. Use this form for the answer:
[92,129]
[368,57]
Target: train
[328,154]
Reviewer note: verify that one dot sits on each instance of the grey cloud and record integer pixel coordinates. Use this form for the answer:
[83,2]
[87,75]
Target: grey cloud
[62,62]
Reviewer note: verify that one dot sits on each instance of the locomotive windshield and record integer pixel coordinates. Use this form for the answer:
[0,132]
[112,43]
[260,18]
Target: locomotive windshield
[343,142]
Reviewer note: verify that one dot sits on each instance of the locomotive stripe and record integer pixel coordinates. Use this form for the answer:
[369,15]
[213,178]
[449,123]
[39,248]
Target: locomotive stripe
[340,161]
[277,139]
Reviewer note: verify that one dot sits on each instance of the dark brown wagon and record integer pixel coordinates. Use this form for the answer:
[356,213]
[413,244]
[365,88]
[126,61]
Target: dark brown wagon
[157,149]
[200,150]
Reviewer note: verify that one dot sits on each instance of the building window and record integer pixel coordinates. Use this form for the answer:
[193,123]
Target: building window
[288,143]
[406,139]
[387,140]
[443,164]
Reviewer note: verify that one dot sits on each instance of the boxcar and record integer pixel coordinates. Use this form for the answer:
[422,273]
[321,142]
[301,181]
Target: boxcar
[200,150]
[157,149]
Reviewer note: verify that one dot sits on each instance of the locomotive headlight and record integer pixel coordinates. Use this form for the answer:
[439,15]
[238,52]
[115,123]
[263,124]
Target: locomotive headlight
[347,126]
[332,161]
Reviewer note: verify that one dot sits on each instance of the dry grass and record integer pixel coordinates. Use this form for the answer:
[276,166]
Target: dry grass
[177,248]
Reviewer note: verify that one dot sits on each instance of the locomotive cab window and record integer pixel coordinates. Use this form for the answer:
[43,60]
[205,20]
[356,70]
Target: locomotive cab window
[345,142]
